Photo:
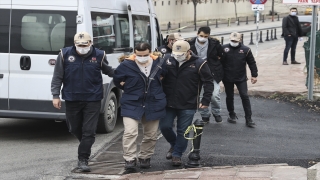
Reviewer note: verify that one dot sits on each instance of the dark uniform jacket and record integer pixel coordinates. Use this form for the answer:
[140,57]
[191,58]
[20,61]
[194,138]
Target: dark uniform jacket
[234,61]
[141,95]
[291,26]
[213,57]
[80,75]
[182,84]
[164,49]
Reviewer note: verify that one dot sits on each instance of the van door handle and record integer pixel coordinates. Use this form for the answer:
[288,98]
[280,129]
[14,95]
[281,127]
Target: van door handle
[1,76]
[25,63]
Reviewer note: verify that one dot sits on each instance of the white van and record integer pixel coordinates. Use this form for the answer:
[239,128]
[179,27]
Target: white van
[32,33]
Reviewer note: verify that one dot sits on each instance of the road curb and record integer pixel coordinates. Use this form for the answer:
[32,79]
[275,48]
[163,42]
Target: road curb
[313,173]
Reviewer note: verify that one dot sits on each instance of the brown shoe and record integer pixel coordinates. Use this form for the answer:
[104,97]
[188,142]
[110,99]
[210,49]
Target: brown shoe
[176,161]
[285,63]
[169,153]
[295,62]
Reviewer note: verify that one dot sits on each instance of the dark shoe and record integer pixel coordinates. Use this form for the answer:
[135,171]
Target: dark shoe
[176,161]
[206,119]
[250,123]
[218,118]
[285,63]
[83,165]
[144,163]
[169,154]
[232,118]
[295,62]
[130,164]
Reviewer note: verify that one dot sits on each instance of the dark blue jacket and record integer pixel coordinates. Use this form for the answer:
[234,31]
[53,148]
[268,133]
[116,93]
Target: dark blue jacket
[138,98]
[82,80]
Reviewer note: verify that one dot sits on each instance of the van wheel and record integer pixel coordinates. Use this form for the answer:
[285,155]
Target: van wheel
[108,119]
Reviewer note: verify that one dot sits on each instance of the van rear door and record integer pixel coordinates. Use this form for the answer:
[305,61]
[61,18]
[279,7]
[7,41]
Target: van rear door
[39,29]
[5,6]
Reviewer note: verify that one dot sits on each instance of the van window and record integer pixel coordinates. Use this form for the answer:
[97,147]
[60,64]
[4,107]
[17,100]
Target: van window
[123,31]
[4,30]
[141,29]
[158,33]
[42,32]
[110,32]
[103,31]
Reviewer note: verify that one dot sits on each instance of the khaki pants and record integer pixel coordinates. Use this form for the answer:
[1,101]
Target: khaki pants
[150,129]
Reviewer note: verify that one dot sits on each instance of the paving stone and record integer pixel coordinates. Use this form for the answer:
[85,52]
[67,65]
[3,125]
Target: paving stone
[255,174]
[289,173]
[216,177]
[184,175]
[256,168]
[220,172]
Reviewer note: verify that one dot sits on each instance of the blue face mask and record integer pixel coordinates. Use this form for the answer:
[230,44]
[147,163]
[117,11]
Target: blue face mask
[293,13]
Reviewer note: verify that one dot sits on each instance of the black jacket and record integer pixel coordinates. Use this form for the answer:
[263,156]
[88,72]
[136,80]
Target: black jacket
[164,49]
[213,57]
[234,61]
[291,26]
[182,84]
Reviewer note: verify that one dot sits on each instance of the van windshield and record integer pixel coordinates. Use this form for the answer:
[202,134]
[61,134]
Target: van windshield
[110,31]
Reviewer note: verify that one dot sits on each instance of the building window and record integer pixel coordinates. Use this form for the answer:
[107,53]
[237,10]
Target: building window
[155,3]
[169,3]
[181,1]
[162,3]
[188,2]
[176,2]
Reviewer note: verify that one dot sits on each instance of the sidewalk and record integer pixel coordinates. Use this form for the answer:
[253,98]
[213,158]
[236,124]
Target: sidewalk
[258,172]
[225,29]
[273,77]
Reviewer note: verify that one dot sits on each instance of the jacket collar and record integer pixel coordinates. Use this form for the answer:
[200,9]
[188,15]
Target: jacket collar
[211,45]
[132,64]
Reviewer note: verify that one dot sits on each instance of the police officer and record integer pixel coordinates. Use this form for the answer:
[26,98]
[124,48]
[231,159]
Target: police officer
[172,38]
[78,69]
[234,60]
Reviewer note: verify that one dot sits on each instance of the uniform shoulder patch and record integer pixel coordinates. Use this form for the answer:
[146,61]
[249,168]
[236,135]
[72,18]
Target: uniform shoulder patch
[226,49]
[163,50]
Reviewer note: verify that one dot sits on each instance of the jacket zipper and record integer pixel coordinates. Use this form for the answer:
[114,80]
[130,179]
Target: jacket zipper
[82,77]
[145,90]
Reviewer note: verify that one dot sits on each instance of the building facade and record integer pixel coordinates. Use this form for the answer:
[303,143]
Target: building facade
[180,11]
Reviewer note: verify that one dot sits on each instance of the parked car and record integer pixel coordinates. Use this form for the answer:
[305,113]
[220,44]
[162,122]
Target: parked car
[305,22]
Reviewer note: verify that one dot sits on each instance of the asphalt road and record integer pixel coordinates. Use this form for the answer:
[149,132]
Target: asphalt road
[285,133]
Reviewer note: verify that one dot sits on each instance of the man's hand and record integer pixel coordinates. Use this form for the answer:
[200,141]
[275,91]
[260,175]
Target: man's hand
[122,83]
[289,35]
[57,103]
[253,80]
[202,106]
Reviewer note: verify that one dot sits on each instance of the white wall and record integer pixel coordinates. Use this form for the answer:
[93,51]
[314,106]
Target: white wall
[210,10]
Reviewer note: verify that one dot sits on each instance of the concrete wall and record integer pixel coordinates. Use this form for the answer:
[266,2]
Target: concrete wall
[212,9]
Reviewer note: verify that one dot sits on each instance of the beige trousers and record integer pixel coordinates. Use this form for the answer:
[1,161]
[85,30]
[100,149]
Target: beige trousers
[150,129]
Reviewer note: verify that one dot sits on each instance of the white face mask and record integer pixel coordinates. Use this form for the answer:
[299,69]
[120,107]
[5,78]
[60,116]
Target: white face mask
[83,50]
[202,39]
[293,13]
[142,60]
[233,44]
[180,58]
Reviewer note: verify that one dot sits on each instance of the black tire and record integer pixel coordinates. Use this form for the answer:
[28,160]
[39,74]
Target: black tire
[108,119]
